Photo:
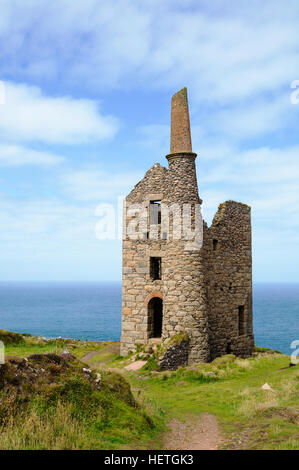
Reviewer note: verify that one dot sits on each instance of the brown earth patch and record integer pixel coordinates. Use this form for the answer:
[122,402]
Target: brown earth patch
[201,434]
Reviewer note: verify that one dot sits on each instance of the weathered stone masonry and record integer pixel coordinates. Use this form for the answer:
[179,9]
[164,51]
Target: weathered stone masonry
[205,292]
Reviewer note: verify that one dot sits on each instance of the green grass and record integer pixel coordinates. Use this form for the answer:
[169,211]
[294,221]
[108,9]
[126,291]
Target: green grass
[8,337]
[229,388]
[81,348]
[24,345]
[233,393]
[59,407]
[104,356]
[25,349]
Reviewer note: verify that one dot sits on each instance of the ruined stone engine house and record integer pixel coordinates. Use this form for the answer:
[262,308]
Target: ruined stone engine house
[204,293]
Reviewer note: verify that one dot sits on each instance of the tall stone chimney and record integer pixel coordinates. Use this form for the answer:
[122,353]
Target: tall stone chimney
[181,160]
[180,140]
[184,268]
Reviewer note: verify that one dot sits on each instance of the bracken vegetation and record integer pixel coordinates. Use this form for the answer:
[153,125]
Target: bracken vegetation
[49,399]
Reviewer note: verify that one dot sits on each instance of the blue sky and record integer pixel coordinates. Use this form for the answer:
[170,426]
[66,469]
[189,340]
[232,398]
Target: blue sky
[87,111]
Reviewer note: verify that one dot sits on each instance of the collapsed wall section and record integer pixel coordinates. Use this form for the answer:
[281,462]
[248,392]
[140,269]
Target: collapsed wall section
[229,281]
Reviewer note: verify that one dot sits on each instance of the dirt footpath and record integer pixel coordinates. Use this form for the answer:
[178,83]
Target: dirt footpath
[201,434]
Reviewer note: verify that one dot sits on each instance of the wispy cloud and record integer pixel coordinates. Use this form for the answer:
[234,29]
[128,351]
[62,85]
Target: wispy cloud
[227,51]
[15,155]
[44,239]
[94,184]
[265,178]
[30,115]
[237,59]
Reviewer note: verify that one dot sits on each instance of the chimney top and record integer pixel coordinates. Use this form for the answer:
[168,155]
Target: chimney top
[180,140]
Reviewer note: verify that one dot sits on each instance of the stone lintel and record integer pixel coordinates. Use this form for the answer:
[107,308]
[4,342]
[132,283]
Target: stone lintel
[154,197]
[155,254]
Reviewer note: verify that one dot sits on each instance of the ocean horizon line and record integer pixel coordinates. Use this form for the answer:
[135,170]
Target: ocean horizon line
[114,282]
[91,310]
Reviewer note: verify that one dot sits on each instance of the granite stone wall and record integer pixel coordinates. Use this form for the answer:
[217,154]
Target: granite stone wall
[206,290]
[229,281]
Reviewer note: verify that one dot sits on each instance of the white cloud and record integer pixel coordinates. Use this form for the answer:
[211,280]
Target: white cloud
[265,178]
[226,57]
[237,59]
[24,219]
[15,155]
[224,51]
[51,239]
[92,41]
[29,115]
[98,185]
[271,165]
[47,223]
[247,120]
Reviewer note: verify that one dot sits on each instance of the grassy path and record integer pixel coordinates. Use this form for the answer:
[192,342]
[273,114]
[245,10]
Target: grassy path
[230,412]
[249,417]
[196,434]
[216,405]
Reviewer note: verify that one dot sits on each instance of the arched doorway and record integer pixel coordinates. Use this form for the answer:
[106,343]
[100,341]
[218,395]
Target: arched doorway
[155,317]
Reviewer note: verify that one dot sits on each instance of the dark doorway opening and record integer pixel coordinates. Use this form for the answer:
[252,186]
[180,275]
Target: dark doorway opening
[155,317]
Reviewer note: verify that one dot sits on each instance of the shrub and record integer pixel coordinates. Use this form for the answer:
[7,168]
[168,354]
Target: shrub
[8,337]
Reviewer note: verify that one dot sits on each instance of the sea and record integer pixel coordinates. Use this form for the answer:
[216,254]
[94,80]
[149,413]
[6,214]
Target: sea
[92,311]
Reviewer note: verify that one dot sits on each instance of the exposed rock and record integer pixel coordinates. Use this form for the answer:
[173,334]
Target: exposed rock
[174,352]
[266,386]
